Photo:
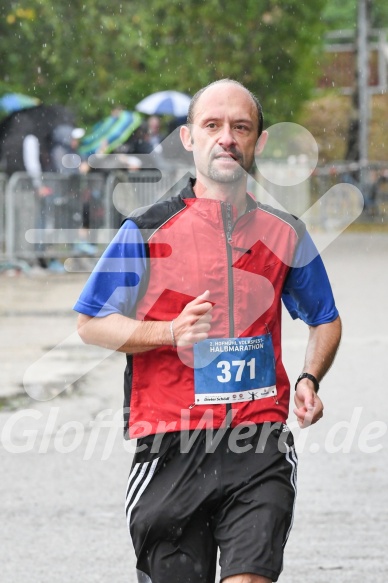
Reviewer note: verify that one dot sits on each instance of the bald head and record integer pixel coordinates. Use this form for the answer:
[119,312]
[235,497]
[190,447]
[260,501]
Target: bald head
[197,96]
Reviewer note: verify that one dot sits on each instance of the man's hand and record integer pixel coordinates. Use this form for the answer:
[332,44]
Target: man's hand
[118,332]
[193,323]
[309,407]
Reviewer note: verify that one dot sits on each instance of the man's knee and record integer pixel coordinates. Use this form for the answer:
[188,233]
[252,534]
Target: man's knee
[246,578]
[142,577]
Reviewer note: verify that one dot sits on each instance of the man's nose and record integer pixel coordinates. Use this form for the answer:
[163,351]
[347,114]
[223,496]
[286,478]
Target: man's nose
[226,137]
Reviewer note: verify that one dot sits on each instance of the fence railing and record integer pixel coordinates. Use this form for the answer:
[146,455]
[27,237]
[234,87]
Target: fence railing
[72,215]
[78,214]
[331,208]
[3,184]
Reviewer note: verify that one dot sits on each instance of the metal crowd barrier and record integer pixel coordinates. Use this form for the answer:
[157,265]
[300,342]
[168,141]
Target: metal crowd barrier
[374,192]
[42,222]
[3,183]
[74,215]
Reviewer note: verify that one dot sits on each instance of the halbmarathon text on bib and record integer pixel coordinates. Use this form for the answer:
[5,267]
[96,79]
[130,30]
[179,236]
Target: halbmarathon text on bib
[232,370]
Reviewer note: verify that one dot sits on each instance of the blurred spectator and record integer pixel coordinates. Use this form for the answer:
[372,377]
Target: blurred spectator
[32,163]
[139,142]
[64,145]
[44,197]
[378,186]
[154,135]
[146,139]
[66,160]
[62,159]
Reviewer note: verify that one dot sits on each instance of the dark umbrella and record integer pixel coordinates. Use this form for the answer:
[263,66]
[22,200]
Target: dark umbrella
[38,121]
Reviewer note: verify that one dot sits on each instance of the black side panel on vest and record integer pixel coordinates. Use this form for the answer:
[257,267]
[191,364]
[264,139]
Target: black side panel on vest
[152,217]
[127,394]
[149,219]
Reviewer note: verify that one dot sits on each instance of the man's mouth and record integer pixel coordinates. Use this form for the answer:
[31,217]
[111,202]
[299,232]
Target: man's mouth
[227,156]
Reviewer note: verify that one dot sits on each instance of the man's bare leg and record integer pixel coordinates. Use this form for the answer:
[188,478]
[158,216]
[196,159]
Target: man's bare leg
[246,578]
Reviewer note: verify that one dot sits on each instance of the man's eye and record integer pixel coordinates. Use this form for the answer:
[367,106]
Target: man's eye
[211,125]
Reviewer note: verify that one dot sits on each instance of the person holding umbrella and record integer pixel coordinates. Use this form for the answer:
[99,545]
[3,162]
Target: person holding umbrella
[154,135]
[190,289]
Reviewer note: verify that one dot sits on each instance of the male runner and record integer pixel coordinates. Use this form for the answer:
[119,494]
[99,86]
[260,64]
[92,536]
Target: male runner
[190,289]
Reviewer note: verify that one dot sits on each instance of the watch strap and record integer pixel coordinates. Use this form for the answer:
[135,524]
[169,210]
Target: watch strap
[307,375]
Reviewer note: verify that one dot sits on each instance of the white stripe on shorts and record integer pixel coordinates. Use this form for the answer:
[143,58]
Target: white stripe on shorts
[292,459]
[132,476]
[140,470]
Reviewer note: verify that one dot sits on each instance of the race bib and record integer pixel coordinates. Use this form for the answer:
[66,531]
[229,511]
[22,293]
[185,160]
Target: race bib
[231,370]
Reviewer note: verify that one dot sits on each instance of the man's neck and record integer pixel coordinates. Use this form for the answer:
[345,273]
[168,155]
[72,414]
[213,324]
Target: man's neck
[234,194]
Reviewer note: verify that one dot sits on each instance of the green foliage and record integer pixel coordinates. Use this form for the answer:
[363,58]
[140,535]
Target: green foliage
[379,14]
[343,15]
[97,55]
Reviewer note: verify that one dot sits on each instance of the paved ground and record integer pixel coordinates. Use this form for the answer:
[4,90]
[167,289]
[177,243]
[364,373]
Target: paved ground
[64,474]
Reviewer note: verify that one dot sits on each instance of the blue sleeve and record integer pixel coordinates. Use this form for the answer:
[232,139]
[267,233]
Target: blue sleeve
[307,293]
[113,286]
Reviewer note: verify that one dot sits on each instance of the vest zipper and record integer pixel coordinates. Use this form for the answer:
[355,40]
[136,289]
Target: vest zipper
[227,217]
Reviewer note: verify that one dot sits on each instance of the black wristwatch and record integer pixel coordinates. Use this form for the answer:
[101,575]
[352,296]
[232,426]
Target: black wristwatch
[307,375]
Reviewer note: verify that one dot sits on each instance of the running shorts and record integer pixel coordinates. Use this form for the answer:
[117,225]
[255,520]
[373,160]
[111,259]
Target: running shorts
[192,494]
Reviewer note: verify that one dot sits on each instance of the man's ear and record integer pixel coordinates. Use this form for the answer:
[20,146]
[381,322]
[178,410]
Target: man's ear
[186,139]
[261,143]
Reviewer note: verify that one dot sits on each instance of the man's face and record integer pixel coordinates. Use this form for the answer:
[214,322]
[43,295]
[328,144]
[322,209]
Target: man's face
[224,133]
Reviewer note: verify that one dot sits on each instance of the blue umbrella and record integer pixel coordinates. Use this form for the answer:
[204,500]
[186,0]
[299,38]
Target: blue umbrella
[165,103]
[11,102]
[110,133]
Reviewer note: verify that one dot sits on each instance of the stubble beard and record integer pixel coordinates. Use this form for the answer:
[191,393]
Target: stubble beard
[225,176]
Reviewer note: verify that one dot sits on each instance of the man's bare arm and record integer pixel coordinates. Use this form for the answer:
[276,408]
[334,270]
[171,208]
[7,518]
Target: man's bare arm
[118,332]
[321,349]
